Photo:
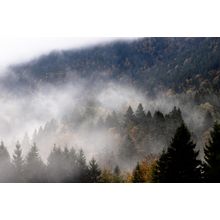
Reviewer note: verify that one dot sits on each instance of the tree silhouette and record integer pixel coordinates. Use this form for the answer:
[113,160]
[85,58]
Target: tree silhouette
[35,170]
[94,172]
[211,166]
[129,118]
[179,163]
[138,175]
[140,114]
[6,169]
[82,168]
[117,178]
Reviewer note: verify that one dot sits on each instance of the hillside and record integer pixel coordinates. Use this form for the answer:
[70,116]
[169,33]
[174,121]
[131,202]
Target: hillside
[152,64]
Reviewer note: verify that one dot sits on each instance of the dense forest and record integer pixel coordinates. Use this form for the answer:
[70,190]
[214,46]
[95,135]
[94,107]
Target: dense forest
[142,110]
[137,159]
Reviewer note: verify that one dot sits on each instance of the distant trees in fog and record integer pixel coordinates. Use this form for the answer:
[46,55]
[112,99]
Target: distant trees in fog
[178,162]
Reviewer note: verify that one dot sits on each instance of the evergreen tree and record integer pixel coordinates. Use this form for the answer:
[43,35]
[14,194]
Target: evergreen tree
[117,175]
[18,163]
[111,121]
[140,114]
[56,165]
[35,170]
[129,118]
[6,170]
[94,172]
[82,168]
[179,163]
[138,176]
[212,156]
[149,116]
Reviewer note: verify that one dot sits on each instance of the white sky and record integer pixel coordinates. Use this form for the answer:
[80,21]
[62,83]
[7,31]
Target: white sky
[15,50]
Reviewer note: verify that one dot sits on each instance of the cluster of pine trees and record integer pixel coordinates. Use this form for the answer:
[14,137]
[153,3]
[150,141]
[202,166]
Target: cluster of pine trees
[178,162]
[62,166]
[145,130]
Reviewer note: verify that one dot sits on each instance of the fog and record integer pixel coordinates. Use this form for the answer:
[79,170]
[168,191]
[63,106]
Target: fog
[23,116]
[15,50]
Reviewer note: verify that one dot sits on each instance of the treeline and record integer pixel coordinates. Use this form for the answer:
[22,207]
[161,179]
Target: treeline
[141,132]
[178,163]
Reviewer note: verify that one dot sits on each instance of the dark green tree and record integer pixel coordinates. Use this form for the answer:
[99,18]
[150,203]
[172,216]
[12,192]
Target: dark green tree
[179,163]
[211,166]
[94,172]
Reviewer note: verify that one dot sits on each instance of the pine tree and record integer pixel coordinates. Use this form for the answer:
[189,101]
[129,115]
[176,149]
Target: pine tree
[34,170]
[138,175]
[129,118]
[149,116]
[117,178]
[6,169]
[94,172]
[56,165]
[211,166]
[18,163]
[179,163]
[140,114]
[82,170]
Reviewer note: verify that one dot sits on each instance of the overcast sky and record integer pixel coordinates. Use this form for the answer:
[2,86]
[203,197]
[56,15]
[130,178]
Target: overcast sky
[14,50]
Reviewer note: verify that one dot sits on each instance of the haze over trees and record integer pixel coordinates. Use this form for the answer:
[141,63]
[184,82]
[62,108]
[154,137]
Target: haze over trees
[137,111]
[177,161]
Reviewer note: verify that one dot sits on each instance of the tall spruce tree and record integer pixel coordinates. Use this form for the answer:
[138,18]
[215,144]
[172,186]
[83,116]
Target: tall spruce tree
[82,168]
[129,118]
[140,115]
[94,172]
[179,163]
[34,170]
[211,167]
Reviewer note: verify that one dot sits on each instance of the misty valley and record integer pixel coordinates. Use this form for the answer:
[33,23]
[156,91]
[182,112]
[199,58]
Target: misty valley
[145,110]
